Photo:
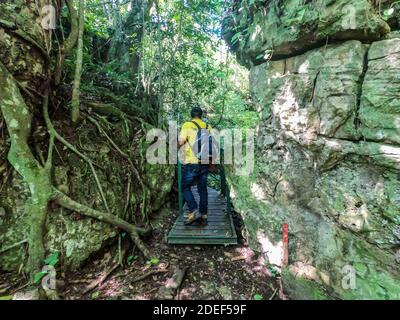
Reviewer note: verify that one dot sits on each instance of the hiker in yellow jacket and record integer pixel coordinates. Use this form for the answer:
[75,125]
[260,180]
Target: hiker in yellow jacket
[194,170]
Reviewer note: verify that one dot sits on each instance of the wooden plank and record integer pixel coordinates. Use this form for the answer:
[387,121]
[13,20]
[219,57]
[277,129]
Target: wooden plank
[216,222]
[205,234]
[202,231]
[220,229]
[215,235]
[203,241]
[210,218]
[209,227]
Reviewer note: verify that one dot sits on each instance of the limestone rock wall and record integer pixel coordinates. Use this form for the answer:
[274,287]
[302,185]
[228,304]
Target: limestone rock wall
[261,29]
[327,145]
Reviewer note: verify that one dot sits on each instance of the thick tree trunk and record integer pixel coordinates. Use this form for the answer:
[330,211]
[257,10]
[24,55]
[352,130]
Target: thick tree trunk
[127,50]
[117,43]
[78,69]
[140,12]
[18,119]
[68,44]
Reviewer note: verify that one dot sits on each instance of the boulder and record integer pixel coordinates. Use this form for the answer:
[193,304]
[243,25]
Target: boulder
[261,30]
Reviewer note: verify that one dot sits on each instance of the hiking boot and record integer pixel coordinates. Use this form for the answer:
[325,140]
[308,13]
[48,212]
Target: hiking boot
[204,220]
[192,217]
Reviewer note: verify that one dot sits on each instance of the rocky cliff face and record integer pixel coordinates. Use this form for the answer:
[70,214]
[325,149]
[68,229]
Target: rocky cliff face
[325,80]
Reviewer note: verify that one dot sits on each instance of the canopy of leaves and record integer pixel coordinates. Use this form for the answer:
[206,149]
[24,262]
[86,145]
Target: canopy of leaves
[184,60]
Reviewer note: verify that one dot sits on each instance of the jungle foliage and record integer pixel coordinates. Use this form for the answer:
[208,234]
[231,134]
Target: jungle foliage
[166,56]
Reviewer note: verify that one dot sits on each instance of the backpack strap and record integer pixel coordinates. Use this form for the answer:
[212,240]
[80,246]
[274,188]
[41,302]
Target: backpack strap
[197,125]
[199,140]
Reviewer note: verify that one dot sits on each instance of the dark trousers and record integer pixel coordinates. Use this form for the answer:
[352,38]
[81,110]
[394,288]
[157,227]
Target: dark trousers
[195,174]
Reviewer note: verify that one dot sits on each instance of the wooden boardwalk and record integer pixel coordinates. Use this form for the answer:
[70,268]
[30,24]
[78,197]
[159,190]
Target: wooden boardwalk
[220,228]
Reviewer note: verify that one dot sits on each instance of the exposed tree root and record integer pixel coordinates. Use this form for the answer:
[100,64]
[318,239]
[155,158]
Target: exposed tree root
[63,200]
[148,274]
[18,119]
[123,154]
[54,133]
[172,285]
[99,282]
[51,294]
[109,110]
[13,246]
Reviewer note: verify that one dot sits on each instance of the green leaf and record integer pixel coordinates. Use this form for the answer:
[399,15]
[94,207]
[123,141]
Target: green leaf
[388,12]
[274,271]
[258,297]
[301,14]
[95,295]
[131,259]
[235,38]
[6,298]
[154,261]
[52,260]
[39,276]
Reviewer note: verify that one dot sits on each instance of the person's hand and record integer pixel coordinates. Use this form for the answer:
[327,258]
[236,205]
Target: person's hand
[212,168]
